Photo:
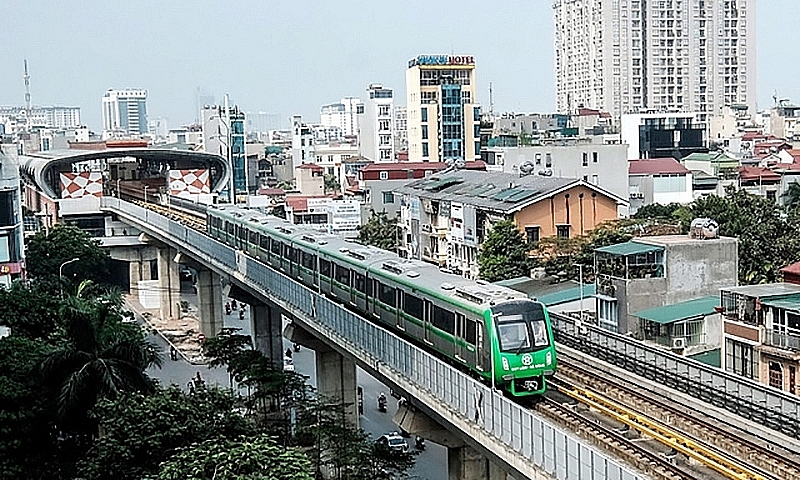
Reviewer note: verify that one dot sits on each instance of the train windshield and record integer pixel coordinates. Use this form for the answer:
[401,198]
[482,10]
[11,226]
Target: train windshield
[520,327]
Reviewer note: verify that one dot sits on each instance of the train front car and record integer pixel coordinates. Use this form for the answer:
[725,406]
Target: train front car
[524,350]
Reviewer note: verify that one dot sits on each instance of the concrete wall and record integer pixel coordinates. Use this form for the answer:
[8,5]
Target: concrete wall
[640,294]
[699,268]
[568,208]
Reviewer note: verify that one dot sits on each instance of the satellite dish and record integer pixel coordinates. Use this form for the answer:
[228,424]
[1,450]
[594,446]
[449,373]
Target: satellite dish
[526,168]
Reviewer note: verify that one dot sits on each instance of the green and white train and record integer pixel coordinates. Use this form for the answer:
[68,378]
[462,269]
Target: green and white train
[497,333]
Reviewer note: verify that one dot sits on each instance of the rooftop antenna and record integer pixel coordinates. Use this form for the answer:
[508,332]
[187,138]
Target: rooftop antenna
[27,79]
[491,100]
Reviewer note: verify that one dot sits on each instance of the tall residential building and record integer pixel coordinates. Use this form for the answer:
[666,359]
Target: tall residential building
[443,118]
[343,115]
[376,125]
[125,112]
[12,249]
[223,135]
[631,56]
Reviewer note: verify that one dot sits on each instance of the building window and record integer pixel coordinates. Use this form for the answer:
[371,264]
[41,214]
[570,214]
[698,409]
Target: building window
[425,149]
[776,375]
[739,358]
[585,159]
[607,313]
[595,157]
[388,197]
[386,154]
[594,179]
[538,159]
[548,160]
[424,132]
[384,125]
[384,175]
[424,114]
[562,231]
[532,234]
[383,110]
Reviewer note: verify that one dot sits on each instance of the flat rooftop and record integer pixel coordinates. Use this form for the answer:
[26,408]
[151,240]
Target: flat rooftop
[766,290]
[665,240]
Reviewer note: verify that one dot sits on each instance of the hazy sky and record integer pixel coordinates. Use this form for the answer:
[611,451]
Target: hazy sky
[288,57]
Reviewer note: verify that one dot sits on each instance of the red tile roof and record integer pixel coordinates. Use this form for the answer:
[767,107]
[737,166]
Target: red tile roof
[435,166]
[747,173]
[656,166]
[271,191]
[793,268]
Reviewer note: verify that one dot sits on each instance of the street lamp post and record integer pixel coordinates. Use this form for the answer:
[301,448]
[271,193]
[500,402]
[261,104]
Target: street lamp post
[61,271]
[145,194]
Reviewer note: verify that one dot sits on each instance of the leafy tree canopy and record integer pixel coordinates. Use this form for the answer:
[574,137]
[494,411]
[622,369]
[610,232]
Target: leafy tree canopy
[140,432]
[504,253]
[29,310]
[244,458]
[379,231]
[47,252]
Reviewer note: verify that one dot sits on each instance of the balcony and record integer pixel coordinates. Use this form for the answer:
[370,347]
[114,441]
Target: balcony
[785,341]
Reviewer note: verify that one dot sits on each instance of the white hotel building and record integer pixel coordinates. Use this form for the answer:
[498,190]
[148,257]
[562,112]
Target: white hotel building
[630,56]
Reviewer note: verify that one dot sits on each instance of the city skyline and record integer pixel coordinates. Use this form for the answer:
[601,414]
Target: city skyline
[288,59]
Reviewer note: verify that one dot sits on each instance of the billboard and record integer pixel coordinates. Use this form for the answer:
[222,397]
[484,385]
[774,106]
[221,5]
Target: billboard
[78,185]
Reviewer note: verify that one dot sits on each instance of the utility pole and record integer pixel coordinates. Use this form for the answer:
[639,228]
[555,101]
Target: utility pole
[491,100]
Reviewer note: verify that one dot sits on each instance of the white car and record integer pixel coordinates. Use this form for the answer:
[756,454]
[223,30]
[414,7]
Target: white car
[393,441]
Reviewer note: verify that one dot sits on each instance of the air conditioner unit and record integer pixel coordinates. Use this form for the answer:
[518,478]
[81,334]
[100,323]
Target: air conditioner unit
[678,343]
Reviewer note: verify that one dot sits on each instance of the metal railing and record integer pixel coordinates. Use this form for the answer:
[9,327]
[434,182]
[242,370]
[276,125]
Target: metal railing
[786,341]
[761,403]
[516,429]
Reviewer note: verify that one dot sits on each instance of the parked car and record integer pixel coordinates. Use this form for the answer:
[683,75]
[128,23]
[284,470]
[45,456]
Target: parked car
[288,364]
[393,441]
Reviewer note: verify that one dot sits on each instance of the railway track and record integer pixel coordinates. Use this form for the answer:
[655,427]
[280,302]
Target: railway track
[185,217]
[722,448]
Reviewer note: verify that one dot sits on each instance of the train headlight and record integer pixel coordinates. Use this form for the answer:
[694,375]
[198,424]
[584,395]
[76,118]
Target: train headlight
[505,364]
[549,358]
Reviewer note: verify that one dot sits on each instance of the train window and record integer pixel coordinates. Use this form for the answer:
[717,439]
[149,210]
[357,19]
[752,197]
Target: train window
[360,282]
[291,254]
[243,233]
[470,334]
[444,320]
[412,306]
[276,247]
[325,268]
[343,275]
[229,228]
[253,238]
[309,260]
[387,295]
[264,242]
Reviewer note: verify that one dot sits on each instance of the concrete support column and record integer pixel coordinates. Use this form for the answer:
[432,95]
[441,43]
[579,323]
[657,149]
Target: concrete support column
[169,284]
[135,274]
[464,463]
[336,380]
[209,299]
[266,326]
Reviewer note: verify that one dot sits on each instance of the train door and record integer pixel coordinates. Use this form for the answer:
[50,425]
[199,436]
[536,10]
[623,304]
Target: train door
[399,320]
[482,353]
[426,327]
[461,335]
[352,288]
[372,296]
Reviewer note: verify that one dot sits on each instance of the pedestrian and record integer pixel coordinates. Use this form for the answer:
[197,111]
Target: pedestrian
[173,353]
[241,314]
[233,303]
[198,381]
[288,353]
[227,308]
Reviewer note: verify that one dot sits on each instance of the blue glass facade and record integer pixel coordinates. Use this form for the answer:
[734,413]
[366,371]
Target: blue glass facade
[452,123]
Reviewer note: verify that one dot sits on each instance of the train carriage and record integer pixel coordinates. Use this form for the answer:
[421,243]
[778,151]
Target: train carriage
[498,333]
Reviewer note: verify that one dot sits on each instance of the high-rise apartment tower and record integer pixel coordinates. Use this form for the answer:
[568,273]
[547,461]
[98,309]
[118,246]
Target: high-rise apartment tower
[630,56]
[443,118]
[125,112]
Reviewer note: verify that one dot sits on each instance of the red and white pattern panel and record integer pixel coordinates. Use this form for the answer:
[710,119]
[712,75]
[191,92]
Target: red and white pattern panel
[77,185]
[188,182]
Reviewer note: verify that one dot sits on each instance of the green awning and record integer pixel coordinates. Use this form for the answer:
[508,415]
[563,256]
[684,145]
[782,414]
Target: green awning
[786,302]
[629,248]
[698,307]
[568,295]
[711,357]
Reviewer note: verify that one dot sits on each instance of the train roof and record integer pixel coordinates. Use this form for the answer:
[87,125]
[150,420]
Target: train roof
[419,275]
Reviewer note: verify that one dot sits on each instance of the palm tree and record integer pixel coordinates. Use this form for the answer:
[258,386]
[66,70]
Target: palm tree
[99,356]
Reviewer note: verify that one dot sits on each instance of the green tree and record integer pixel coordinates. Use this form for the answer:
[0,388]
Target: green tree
[29,310]
[27,446]
[792,196]
[657,210]
[243,458]
[379,231]
[97,356]
[142,431]
[331,184]
[47,252]
[504,253]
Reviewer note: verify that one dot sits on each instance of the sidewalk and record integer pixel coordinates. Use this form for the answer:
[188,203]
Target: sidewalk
[182,333]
